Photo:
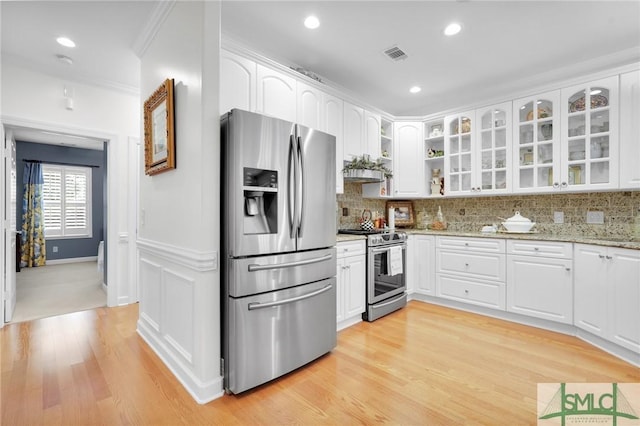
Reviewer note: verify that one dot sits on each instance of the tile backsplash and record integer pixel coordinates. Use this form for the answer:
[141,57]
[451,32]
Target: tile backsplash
[621,211]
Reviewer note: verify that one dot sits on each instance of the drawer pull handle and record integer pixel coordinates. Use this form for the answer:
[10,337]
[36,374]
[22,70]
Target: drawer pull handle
[601,256]
[256,305]
[260,267]
[609,257]
[536,248]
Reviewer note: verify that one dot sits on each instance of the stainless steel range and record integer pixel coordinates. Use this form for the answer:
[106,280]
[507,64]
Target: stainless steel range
[386,272]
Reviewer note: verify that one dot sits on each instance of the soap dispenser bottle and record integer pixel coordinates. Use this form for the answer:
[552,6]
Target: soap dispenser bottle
[439,215]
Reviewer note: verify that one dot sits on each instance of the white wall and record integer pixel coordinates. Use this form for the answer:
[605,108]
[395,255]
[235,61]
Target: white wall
[179,234]
[34,99]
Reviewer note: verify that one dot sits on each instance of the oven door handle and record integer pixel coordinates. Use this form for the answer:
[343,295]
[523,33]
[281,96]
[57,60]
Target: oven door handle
[387,248]
[254,305]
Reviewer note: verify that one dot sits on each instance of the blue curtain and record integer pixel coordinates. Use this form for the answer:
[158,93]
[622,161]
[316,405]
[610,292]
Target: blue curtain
[32,242]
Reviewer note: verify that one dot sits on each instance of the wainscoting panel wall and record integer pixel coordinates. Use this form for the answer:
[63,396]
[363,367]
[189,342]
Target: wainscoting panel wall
[176,319]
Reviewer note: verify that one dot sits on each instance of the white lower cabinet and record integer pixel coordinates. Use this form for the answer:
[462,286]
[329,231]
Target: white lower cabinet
[421,259]
[607,290]
[351,282]
[471,271]
[540,284]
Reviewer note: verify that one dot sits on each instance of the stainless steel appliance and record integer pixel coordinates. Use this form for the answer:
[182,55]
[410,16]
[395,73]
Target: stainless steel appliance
[386,272]
[278,244]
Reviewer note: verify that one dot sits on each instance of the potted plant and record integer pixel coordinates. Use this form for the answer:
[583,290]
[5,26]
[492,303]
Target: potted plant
[363,169]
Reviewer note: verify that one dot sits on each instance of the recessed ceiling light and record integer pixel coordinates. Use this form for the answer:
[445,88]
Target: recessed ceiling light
[452,29]
[66,42]
[415,89]
[312,22]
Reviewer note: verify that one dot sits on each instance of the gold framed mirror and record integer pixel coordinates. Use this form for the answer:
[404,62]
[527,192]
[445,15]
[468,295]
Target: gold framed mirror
[159,130]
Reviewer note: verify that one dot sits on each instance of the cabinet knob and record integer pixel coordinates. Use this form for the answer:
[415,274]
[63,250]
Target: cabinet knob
[466,244]
[564,184]
[556,185]
[568,269]
[466,265]
[609,257]
[466,292]
[601,256]
[536,248]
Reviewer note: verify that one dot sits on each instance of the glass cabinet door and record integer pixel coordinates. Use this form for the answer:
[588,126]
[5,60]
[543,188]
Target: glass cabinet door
[536,153]
[589,135]
[458,160]
[493,149]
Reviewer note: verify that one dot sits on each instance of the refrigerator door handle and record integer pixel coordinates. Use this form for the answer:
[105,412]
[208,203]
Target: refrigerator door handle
[253,306]
[257,267]
[291,182]
[300,195]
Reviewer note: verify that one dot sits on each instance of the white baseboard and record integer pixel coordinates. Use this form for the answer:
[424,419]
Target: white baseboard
[201,392]
[72,260]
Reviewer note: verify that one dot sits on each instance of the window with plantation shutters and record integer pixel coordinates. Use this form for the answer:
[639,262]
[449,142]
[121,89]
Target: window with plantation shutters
[67,201]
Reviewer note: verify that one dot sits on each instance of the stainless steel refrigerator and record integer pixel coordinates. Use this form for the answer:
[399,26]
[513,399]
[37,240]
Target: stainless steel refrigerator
[278,246]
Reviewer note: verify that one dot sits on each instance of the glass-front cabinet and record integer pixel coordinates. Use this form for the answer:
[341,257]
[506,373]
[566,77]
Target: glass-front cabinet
[589,135]
[434,156]
[536,155]
[458,164]
[493,149]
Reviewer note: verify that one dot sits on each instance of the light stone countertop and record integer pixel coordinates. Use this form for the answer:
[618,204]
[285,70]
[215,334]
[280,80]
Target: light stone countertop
[630,244]
[349,237]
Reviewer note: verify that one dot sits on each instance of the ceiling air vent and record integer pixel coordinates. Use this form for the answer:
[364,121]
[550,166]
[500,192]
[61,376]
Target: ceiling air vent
[395,53]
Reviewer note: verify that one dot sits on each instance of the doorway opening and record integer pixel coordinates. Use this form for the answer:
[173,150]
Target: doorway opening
[74,277]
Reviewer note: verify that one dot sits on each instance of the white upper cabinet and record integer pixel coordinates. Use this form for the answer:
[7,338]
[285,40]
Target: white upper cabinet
[276,94]
[354,132]
[630,130]
[536,144]
[372,126]
[408,171]
[493,149]
[458,162]
[238,83]
[310,107]
[332,111]
[589,158]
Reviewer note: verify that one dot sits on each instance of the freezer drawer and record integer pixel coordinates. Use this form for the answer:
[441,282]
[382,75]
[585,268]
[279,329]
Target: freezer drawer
[271,334]
[253,275]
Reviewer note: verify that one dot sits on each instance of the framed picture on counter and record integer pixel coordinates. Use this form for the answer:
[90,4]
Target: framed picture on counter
[404,216]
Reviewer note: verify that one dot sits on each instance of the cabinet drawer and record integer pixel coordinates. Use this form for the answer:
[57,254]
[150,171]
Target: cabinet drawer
[471,244]
[350,248]
[488,266]
[540,248]
[476,292]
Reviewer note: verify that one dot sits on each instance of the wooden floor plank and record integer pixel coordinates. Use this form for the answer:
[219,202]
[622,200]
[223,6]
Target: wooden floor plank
[424,364]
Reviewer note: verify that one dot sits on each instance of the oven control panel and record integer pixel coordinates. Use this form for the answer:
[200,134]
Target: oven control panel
[389,238]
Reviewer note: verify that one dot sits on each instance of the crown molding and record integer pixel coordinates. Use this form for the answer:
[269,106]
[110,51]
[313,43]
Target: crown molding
[151,28]
[70,76]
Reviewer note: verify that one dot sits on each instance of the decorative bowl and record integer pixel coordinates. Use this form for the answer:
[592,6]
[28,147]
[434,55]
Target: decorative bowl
[517,223]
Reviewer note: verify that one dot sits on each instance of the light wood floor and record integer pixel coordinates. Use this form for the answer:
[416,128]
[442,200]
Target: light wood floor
[423,365]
